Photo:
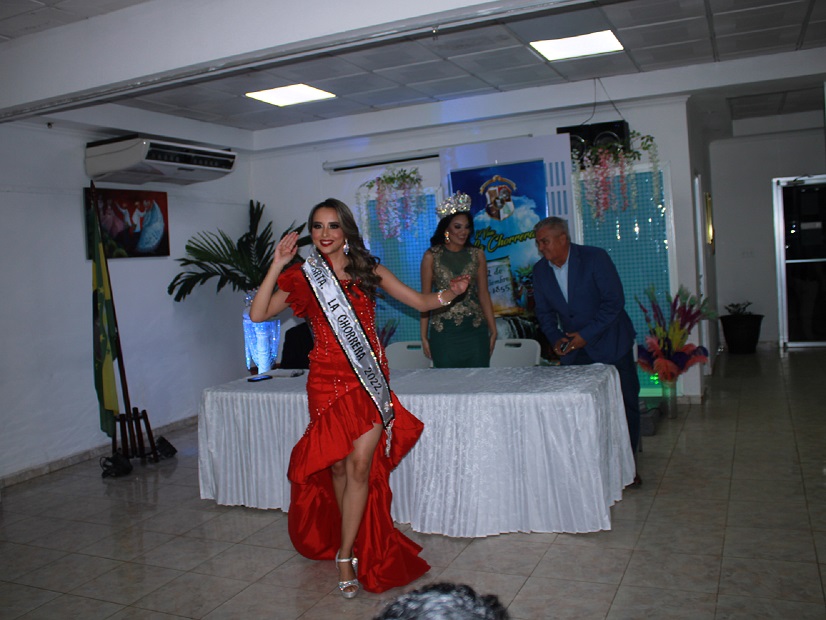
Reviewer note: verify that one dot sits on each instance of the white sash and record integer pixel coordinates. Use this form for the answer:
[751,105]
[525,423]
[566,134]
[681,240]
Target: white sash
[349,332]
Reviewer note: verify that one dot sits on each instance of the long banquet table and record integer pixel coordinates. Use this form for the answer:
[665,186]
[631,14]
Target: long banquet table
[541,449]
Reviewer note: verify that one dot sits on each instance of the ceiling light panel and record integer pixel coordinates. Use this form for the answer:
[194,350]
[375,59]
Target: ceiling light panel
[580,46]
[290,95]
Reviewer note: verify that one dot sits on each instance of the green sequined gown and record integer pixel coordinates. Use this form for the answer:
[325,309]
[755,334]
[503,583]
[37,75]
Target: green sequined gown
[458,333]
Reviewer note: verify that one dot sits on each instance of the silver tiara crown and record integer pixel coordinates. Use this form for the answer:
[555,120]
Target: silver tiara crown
[457,203]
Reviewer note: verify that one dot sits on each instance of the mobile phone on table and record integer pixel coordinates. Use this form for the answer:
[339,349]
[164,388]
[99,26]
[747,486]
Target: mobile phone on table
[259,378]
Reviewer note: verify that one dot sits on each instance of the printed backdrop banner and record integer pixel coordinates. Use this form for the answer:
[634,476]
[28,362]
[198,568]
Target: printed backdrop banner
[507,201]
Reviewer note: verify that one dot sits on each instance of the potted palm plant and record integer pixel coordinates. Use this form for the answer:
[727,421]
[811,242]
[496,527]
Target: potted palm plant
[741,328]
[242,265]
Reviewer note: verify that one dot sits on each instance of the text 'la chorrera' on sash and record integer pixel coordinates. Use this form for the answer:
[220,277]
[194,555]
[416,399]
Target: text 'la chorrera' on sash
[349,332]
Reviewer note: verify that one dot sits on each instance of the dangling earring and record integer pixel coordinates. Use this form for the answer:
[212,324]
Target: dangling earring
[346,247]
[447,237]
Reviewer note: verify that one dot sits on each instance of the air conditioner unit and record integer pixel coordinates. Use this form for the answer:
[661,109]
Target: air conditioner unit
[136,160]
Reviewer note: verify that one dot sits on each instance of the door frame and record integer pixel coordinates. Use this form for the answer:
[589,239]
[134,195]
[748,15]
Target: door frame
[778,184]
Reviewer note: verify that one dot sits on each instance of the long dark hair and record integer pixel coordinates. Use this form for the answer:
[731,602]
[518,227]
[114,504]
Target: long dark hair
[438,237]
[362,265]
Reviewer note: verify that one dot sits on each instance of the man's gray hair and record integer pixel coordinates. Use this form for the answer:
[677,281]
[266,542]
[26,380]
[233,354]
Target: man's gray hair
[554,223]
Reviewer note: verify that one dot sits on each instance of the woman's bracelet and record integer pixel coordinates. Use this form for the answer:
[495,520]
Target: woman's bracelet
[442,301]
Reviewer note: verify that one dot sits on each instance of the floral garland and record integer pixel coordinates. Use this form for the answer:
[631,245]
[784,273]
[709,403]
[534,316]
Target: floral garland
[598,169]
[398,193]
[667,352]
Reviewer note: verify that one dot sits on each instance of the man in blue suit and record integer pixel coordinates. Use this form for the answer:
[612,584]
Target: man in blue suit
[580,306]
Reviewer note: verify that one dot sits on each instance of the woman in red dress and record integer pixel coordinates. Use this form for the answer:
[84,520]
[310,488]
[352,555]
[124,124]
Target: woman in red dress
[340,468]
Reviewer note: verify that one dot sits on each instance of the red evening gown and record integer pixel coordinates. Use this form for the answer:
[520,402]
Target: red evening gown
[340,412]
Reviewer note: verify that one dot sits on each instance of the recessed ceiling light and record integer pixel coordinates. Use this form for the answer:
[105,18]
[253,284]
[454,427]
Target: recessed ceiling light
[290,95]
[576,47]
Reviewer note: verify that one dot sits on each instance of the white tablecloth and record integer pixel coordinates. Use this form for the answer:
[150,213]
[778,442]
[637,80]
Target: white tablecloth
[541,449]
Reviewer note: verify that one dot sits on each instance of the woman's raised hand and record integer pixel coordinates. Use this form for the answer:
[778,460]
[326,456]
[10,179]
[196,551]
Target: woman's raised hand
[286,249]
[459,285]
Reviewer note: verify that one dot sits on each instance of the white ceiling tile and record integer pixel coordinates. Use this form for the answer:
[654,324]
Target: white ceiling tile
[458,42]
[391,55]
[497,60]
[380,98]
[10,8]
[756,43]
[642,12]
[231,106]
[763,18]
[452,87]
[422,72]
[330,108]
[680,54]
[535,75]
[558,25]
[815,35]
[724,6]
[90,8]
[24,24]
[321,68]
[668,33]
[818,12]
[354,84]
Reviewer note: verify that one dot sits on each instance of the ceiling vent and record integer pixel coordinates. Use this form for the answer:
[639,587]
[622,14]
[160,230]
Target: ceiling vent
[135,160]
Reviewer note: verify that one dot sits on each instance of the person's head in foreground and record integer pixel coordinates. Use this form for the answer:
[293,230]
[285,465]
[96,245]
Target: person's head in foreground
[444,601]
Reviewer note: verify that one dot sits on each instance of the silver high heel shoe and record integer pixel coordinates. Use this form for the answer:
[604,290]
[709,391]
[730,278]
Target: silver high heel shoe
[343,585]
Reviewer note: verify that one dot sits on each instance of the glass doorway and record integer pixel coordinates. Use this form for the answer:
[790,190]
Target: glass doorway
[800,234]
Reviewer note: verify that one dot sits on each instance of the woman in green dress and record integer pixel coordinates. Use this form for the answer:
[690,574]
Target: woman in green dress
[462,334]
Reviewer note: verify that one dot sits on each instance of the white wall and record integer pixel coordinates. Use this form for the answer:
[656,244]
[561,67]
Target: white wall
[48,404]
[743,213]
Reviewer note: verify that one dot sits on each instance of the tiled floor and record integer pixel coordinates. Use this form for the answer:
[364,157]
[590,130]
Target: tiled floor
[729,523]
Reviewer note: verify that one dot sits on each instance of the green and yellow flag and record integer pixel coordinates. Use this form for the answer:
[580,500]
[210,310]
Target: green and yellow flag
[105,329]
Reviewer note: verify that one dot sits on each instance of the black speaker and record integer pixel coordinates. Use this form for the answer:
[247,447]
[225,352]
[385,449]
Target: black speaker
[583,137]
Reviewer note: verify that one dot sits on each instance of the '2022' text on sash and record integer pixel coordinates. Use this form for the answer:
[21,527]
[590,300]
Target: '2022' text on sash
[349,332]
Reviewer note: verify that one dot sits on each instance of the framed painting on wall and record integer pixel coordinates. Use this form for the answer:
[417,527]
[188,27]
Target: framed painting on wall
[133,223]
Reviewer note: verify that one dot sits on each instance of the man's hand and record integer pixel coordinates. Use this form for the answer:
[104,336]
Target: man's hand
[571,342]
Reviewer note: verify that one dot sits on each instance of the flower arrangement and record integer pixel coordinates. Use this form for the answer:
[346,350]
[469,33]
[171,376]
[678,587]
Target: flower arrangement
[600,167]
[398,193]
[667,352]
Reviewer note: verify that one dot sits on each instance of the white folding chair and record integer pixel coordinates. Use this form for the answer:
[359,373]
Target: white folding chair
[406,354]
[513,352]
